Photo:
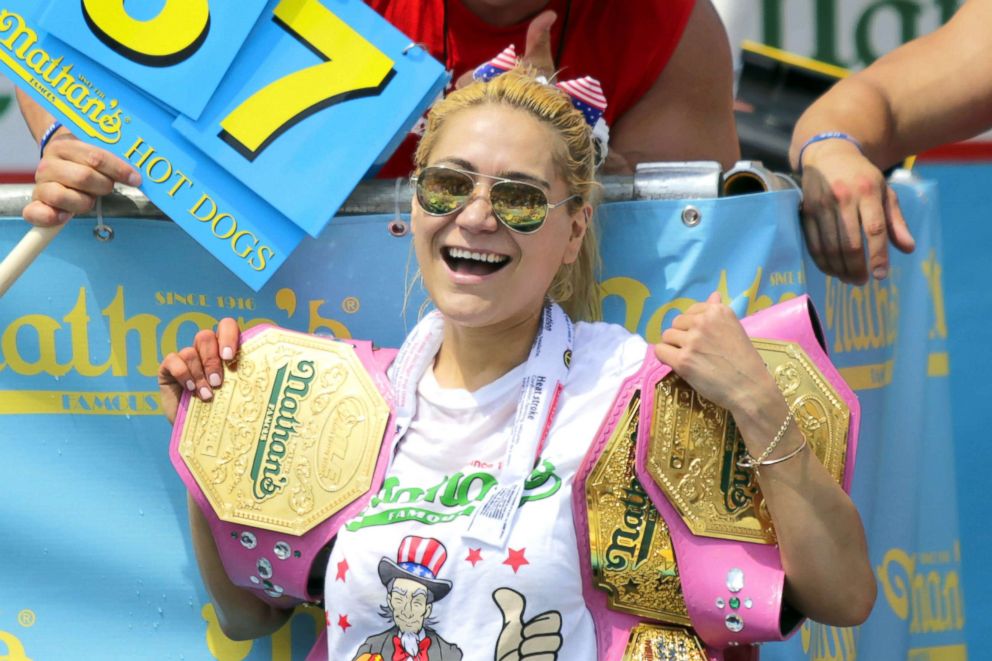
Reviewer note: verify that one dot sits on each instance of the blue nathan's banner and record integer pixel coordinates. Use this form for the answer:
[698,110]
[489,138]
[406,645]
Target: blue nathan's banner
[211,100]
[97,561]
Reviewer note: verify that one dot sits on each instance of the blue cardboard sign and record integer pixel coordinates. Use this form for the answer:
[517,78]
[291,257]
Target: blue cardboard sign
[310,146]
[306,60]
[183,41]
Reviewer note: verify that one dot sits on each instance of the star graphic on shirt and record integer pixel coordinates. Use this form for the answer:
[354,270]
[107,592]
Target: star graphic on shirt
[474,556]
[516,559]
[342,570]
[343,622]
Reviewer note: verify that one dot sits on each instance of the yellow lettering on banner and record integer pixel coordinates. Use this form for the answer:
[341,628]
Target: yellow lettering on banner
[282,640]
[318,323]
[170,336]
[225,649]
[862,318]
[933,272]
[35,344]
[938,364]
[635,295]
[145,326]
[15,649]
[44,329]
[939,653]
[79,322]
[222,647]
[355,67]
[930,600]
[868,377]
[43,402]
[177,32]
[826,643]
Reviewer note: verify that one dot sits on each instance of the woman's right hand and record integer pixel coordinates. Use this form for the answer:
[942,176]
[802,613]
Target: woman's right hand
[199,368]
[71,176]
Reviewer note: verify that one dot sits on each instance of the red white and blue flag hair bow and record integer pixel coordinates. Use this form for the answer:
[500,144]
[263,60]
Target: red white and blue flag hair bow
[586,94]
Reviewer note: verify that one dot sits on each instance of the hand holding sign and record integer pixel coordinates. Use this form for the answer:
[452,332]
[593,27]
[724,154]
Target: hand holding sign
[70,176]
[250,123]
[537,639]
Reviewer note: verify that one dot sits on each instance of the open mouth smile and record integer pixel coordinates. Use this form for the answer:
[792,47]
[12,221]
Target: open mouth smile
[471,262]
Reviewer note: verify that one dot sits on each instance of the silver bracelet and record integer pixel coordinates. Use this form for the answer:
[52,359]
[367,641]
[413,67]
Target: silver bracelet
[762,460]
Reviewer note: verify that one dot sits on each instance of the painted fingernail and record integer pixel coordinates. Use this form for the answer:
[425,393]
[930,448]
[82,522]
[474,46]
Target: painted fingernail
[214,379]
[880,272]
[64,216]
[134,179]
[190,386]
[227,353]
[205,393]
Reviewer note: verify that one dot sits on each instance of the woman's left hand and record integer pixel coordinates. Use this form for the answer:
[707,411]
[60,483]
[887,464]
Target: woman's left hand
[707,346]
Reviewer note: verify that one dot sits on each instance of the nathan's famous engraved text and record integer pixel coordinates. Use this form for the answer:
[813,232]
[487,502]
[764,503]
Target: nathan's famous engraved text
[278,426]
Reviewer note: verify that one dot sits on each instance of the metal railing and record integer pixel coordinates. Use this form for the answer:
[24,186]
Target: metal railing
[651,181]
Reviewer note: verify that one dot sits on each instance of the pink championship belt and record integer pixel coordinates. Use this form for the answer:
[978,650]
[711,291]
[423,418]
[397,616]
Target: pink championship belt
[681,554]
[293,445]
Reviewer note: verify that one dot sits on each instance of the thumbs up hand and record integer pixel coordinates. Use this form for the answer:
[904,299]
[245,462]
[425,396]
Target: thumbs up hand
[537,49]
[537,639]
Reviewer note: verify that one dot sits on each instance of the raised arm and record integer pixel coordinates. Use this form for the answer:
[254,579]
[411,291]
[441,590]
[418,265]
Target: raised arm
[688,113]
[199,369]
[928,92]
[819,530]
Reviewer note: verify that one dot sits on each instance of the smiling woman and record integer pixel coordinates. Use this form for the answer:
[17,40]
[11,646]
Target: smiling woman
[465,552]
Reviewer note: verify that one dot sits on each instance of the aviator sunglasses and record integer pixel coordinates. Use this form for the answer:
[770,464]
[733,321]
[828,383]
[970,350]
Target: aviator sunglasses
[521,207]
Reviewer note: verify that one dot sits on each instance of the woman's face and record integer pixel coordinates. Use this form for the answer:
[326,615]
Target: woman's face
[507,286]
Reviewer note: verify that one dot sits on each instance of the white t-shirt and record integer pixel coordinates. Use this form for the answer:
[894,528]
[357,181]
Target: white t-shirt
[402,583]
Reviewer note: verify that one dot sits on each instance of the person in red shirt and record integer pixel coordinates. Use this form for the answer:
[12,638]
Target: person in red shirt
[664,65]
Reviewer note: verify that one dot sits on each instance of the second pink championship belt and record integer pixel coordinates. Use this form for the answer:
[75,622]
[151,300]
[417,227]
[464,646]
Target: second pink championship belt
[293,445]
[677,550]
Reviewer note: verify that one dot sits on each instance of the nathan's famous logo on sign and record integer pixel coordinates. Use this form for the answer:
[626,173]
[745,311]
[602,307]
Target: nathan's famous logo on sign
[630,545]
[924,588]
[278,426]
[71,93]
[81,340]
[825,643]
[862,318]
[636,297]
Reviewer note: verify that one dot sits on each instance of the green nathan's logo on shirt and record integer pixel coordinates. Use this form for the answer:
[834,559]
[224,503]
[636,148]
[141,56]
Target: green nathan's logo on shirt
[454,496]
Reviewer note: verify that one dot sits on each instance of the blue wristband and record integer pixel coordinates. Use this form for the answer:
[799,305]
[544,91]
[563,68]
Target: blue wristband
[46,138]
[828,135]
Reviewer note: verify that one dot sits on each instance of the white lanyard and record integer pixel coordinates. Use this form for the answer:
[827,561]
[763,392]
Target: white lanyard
[544,375]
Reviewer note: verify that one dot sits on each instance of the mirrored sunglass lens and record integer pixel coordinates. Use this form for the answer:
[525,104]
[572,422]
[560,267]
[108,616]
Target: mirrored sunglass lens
[521,206]
[441,191]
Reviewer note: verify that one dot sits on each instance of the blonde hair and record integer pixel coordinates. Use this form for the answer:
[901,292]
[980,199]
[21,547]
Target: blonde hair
[574,286]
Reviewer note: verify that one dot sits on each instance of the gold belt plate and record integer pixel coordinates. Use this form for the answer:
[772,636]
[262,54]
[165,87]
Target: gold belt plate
[633,559]
[652,642]
[695,445]
[291,438]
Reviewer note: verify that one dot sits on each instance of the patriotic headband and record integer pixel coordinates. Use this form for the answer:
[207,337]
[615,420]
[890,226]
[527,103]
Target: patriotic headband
[586,94]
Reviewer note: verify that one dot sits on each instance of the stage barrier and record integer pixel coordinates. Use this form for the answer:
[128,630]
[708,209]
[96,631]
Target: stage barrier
[95,557]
